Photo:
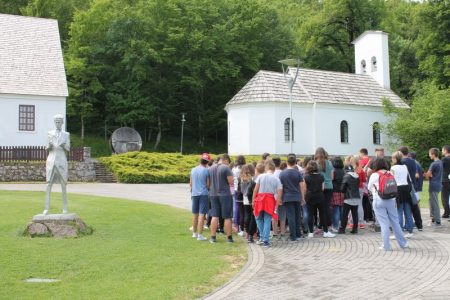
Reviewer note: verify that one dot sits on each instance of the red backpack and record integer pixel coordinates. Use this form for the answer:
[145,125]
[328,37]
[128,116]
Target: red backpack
[387,185]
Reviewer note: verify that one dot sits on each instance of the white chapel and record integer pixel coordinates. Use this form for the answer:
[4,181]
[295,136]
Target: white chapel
[341,112]
[33,85]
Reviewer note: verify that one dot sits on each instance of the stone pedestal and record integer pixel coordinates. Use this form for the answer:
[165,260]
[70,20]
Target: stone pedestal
[57,225]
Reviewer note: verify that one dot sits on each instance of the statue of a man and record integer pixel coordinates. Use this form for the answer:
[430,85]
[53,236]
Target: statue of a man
[58,144]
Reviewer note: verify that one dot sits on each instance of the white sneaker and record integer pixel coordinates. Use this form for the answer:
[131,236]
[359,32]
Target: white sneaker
[241,233]
[392,237]
[328,235]
[205,227]
[194,235]
[310,235]
[259,242]
[332,229]
[201,238]
[409,235]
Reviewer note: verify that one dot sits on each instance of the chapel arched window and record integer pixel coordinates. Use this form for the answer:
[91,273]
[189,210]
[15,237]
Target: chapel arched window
[376,133]
[363,66]
[374,63]
[344,132]
[287,130]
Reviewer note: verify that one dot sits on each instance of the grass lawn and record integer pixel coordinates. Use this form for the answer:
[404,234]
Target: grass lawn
[137,251]
[424,197]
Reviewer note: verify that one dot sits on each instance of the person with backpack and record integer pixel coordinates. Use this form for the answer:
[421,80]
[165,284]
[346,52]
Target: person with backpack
[418,186]
[338,196]
[404,201]
[350,188]
[384,189]
[238,206]
[315,200]
[247,185]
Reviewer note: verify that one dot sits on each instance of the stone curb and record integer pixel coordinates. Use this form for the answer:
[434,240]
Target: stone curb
[254,263]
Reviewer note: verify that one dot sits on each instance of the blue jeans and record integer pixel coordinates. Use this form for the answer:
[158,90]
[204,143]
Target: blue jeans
[387,215]
[305,217]
[337,213]
[406,208]
[264,221]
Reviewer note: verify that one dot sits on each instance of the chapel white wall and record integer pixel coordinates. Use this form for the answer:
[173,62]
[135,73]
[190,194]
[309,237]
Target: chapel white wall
[265,122]
[360,120]
[45,108]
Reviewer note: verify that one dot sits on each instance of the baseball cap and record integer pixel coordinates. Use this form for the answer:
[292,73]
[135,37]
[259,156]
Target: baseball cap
[206,156]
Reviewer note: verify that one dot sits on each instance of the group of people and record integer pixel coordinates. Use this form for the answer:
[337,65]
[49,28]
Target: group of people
[315,196]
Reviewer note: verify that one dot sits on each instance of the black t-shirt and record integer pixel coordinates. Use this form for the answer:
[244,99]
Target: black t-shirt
[314,192]
[446,169]
[337,181]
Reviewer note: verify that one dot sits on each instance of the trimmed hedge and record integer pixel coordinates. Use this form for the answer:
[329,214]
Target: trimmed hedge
[151,167]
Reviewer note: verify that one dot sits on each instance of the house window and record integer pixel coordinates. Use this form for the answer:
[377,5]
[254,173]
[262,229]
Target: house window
[287,130]
[376,133]
[374,63]
[363,66]
[344,132]
[26,117]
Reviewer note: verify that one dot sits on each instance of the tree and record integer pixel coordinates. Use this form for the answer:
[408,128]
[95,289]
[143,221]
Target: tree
[425,125]
[400,20]
[325,36]
[63,11]
[147,61]
[12,7]
[433,42]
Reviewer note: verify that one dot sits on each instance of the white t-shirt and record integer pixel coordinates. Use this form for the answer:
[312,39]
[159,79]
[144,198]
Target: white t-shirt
[400,173]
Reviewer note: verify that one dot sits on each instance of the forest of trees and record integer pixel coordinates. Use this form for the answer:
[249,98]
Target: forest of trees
[142,63]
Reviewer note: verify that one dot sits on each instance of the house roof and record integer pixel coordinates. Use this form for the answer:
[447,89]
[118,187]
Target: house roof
[31,61]
[316,86]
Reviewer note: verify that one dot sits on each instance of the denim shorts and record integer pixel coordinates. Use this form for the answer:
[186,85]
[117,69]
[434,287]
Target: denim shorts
[200,204]
[221,207]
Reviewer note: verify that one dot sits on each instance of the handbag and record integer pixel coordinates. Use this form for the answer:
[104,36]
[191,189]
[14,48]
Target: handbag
[412,192]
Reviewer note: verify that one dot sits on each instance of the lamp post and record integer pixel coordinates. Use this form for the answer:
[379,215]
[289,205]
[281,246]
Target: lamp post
[285,64]
[182,130]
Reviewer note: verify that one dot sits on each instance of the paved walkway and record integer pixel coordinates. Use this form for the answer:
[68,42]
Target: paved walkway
[177,195]
[346,267]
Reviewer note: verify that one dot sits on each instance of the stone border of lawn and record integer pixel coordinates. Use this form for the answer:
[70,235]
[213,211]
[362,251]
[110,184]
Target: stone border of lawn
[254,263]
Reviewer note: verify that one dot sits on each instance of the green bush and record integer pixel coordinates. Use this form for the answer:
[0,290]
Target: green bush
[146,167]
[152,167]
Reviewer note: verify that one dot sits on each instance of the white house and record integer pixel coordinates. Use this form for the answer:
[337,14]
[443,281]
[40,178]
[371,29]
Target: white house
[341,112]
[33,85]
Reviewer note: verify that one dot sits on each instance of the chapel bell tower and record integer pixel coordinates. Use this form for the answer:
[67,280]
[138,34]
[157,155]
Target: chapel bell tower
[372,56]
